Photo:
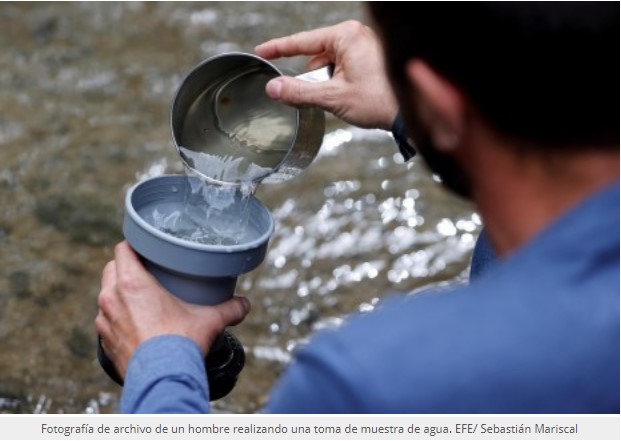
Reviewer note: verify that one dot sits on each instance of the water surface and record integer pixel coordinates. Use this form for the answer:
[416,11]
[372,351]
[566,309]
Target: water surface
[85,92]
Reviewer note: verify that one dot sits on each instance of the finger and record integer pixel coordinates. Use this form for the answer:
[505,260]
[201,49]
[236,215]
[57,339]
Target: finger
[102,325]
[127,261]
[302,43]
[300,93]
[318,61]
[108,275]
[233,311]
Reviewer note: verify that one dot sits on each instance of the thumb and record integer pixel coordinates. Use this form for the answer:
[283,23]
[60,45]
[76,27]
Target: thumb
[233,311]
[297,92]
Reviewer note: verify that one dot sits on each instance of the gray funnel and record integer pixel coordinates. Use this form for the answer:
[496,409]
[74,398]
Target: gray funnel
[197,273]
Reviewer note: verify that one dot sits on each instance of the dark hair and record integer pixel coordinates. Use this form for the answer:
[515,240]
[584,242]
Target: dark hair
[544,73]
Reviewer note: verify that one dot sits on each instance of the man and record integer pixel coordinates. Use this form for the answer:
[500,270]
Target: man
[514,106]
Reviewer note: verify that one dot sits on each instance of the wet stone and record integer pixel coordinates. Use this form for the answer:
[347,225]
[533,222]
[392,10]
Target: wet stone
[4,298]
[84,219]
[19,284]
[117,156]
[5,230]
[80,343]
[56,292]
[13,395]
[73,268]
[45,30]
[7,179]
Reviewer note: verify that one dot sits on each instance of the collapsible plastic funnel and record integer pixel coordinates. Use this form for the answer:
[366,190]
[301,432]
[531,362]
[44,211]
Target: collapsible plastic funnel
[198,273]
[195,272]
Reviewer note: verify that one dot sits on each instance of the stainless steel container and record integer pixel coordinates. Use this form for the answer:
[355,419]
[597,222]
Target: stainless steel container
[228,131]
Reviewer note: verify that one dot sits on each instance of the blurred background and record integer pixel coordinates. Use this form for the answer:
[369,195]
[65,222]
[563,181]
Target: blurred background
[85,96]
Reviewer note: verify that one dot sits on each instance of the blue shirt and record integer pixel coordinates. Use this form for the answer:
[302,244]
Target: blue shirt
[536,333]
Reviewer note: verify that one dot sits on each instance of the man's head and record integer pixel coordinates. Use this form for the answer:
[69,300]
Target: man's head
[543,75]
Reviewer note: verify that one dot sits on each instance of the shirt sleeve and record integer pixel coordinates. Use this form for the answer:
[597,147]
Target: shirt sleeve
[166,374]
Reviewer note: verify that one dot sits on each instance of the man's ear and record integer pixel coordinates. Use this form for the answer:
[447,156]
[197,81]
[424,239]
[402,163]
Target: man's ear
[440,105]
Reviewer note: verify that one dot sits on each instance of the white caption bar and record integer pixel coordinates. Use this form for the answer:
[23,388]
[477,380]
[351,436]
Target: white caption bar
[309,427]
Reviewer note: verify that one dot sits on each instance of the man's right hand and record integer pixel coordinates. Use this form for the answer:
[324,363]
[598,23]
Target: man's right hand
[358,93]
[134,307]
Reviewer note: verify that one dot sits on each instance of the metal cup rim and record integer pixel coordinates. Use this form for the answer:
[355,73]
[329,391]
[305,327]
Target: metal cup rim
[193,71]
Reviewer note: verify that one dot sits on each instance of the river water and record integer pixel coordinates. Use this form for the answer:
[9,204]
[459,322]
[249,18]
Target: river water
[85,93]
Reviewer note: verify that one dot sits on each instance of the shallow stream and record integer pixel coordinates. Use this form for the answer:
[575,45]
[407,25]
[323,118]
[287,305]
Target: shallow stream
[85,95]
